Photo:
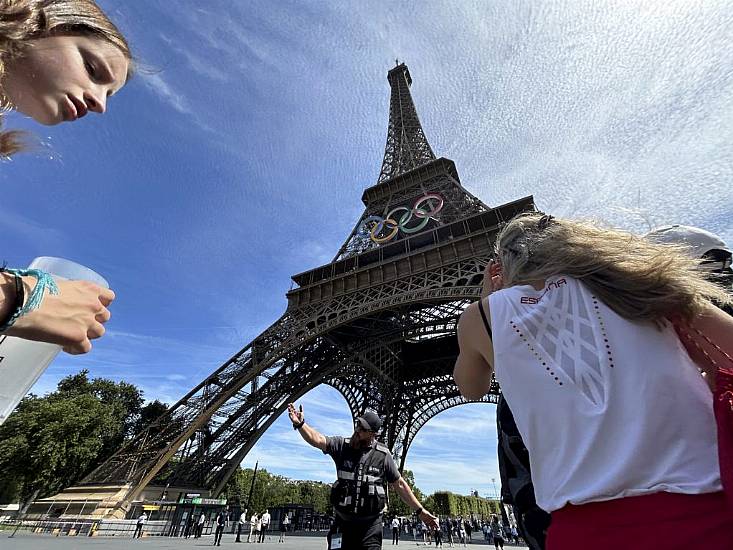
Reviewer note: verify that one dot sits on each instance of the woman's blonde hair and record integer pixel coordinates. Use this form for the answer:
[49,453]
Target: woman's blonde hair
[25,20]
[638,279]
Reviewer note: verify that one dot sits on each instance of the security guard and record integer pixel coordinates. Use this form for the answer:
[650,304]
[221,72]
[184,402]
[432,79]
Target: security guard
[359,496]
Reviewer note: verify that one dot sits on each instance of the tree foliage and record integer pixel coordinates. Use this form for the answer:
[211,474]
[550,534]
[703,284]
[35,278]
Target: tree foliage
[396,506]
[51,442]
[449,504]
[272,490]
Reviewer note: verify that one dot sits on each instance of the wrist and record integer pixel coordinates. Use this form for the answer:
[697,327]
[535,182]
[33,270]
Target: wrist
[298,425]
[13,299]
[7,294]
[419,511]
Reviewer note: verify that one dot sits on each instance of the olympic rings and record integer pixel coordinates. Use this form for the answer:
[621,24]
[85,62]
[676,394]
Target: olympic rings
[381,230]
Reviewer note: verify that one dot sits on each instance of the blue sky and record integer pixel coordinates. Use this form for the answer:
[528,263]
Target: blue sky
[237,158]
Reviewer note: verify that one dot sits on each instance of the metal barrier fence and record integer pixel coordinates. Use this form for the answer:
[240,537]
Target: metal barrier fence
[85,527]
[124,528]
[52,527]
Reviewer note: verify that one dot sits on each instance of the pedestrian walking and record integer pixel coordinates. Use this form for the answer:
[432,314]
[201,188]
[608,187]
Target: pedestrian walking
[190,526]
[461,531]
[221,520]
[395,530]
[284,526]
[258,529]
[497,533]
[140,525]
[264,525]
[438,537]
[241,524]
[253,531]
[448,526]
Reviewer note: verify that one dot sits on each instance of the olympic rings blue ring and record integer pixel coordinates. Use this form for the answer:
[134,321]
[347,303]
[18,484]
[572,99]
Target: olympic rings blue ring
[373,226]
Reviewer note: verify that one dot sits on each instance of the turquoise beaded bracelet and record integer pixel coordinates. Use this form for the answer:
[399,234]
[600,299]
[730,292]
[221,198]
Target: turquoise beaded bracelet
[44,281]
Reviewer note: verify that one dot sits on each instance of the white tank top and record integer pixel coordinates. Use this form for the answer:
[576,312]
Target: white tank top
[607,407]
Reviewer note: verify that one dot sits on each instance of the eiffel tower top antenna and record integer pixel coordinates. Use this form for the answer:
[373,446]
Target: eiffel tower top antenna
[407,147]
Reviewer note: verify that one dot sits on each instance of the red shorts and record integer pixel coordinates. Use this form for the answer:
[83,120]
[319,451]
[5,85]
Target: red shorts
[661,520]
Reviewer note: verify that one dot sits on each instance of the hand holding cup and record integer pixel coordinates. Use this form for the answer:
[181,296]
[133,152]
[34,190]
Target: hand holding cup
[70,319]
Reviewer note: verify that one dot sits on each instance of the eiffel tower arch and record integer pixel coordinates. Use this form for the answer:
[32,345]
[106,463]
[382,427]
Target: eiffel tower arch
[378,324]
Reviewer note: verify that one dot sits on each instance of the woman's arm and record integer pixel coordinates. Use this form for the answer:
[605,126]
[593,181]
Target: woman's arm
[716,326]
[474,365]
[70,319]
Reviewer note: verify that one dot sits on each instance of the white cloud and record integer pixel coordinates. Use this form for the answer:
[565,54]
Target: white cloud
[176,99]
[163,90]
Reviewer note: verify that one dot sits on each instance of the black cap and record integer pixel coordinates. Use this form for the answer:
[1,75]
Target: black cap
[370,421]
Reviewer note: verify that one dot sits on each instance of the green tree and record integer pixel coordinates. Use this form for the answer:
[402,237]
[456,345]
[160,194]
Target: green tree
[450,504]
[122,400]
[148,414]
[316,494]
[51,442]
[396,506]
[272,490]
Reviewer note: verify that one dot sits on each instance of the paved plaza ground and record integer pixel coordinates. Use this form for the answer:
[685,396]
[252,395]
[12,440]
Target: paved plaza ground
[40,542]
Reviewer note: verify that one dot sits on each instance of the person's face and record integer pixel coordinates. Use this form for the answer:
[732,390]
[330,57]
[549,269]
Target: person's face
[361,437]
[62,78]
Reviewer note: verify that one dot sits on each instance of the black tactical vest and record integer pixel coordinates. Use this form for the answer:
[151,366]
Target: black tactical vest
[360,490]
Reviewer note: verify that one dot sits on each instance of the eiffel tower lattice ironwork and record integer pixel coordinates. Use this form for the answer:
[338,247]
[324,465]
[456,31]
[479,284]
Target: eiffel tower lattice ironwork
[378,323]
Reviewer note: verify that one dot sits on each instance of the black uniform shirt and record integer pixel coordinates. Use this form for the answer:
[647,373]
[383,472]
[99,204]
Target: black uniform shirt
[346,457]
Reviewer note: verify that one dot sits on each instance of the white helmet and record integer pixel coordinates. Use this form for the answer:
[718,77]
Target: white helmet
[698,240]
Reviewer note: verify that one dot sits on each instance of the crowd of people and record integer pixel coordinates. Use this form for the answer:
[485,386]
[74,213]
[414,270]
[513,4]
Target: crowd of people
[454,531]
[451,530]
[257,526]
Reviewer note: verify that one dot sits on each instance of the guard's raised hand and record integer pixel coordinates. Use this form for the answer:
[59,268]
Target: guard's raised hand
[296,416]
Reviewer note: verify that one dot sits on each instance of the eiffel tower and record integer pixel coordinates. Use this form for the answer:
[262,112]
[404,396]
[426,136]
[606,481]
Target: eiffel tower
[378,324]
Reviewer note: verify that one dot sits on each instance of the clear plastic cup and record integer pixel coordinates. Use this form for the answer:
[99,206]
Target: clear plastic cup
[22,362]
